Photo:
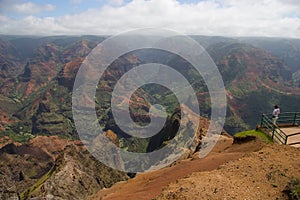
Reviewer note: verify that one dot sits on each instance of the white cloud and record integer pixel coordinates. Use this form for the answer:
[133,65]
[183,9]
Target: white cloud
[116,2]
[75,1]
[31,8]
[210,17]
[28,8]
[292,2]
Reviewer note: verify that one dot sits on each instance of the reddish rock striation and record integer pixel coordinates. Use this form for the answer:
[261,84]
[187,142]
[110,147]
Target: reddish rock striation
[71,172]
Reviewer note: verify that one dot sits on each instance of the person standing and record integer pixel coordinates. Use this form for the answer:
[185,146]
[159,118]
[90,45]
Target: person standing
[275,114]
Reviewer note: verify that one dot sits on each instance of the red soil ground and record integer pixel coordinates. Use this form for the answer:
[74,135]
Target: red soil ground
[151,184]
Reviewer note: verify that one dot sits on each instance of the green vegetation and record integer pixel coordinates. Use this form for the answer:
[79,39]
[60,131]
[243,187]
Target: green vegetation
[133,144]
[26,194]
[293,189]
[17,137]
[257,133]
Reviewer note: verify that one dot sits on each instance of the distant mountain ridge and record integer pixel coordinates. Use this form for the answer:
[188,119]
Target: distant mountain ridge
[37,75]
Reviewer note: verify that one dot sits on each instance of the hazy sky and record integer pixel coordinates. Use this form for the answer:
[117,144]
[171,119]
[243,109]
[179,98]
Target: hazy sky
[276,18]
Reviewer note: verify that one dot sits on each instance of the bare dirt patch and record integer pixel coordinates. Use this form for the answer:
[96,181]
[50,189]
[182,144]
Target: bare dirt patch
[258,175]
[149,185]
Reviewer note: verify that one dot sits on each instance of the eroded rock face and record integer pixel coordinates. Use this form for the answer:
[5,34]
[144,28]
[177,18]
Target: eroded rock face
[190,120]
[78,175]
[52,167]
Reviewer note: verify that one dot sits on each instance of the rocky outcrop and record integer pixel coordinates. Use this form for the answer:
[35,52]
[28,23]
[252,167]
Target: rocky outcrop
[77,174]
[171,130]
[67,75]
[52,167]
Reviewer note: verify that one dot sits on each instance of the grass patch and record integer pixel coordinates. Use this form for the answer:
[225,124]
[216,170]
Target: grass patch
[257,133]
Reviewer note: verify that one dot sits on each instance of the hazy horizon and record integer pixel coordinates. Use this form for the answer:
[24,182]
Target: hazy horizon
[191,35]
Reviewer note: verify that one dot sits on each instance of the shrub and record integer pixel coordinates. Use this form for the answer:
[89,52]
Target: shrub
[293,189]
